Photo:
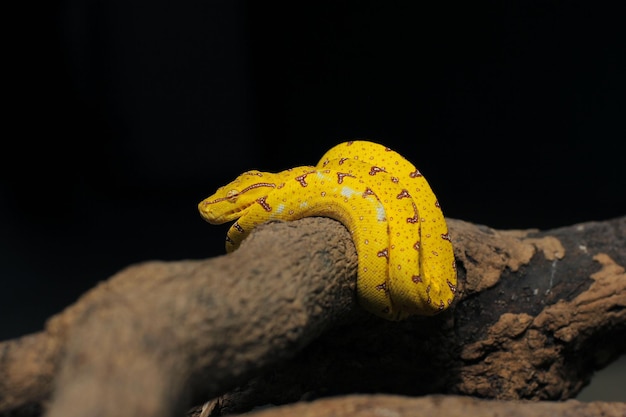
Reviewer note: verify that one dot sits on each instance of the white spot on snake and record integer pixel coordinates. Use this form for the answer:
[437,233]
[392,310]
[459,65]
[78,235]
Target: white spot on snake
[304,204]
[348,192]
[321,175]
[380,213]
[279,209]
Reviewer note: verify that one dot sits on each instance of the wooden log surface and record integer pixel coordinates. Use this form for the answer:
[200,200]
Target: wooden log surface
[277,321]
[436,405]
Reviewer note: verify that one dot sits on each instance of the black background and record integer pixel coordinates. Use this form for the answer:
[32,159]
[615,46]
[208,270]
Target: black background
[125,114]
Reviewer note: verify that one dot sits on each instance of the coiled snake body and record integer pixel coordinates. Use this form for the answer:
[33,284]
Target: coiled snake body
[405,259]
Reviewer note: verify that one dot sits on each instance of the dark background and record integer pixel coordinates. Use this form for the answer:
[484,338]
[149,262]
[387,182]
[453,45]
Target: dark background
[125,114]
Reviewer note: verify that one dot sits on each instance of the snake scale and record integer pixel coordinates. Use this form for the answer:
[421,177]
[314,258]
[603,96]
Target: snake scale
[405,259]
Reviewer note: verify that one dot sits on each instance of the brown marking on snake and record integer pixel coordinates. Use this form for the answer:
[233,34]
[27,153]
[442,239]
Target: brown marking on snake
[383,253]
[416,279]
[382,286]
[257,185]
[437,204]
[342,175]
[237,227]
[415,174]
[341,160]
[417,245]
[403,194]
[446,236]
[441,305]
[395,180]
[452,286]
[302,180]
[415,217]
[368,191]
[375,170]
[263,204]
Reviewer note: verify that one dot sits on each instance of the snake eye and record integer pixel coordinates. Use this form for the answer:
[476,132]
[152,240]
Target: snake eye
[232,195]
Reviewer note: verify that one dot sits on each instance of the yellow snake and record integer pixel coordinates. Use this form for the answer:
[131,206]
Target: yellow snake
[405,260]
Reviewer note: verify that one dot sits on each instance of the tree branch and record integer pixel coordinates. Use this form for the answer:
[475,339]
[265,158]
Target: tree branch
[157,337]
[439,405]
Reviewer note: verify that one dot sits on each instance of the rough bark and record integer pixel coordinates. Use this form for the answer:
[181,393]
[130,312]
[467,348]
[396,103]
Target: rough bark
[276,321]
[437,405]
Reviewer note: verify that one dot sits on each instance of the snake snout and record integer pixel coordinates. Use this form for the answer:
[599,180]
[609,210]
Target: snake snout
[207,212]
[214,212]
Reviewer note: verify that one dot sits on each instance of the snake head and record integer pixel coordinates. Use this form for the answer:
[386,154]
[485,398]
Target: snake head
[233,200]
